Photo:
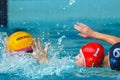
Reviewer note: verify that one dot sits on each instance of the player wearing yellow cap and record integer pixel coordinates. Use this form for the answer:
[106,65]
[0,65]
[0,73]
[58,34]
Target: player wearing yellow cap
[20,41]
[23,41]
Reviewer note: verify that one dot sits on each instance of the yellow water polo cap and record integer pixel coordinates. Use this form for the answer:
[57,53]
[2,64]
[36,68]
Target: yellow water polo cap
[20,41]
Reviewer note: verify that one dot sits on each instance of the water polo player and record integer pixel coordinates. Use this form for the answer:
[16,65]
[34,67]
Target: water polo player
[112,60]
[114,56]
[91,55]
[23,41]
[20,41]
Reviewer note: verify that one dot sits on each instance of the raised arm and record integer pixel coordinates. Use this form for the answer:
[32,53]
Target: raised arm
[87,32]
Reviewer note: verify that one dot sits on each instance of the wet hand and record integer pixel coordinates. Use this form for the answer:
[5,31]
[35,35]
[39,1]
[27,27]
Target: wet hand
[38,52]
[84,30]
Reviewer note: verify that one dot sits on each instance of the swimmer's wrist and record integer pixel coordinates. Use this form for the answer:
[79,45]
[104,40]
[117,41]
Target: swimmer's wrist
[94,35]
[97,35]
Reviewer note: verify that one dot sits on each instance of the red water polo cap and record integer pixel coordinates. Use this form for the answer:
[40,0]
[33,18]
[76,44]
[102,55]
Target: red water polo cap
[93,54]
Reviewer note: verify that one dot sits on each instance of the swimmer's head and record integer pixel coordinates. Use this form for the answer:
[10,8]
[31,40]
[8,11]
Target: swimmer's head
[20,41]
[114,56]
[91,55]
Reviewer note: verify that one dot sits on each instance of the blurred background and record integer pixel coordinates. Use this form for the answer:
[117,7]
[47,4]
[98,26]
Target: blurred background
[60,10]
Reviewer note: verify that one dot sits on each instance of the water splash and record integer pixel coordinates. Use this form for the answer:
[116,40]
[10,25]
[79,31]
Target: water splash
[1,47]
[27,66]
[3,40]
[71,2]
[60,39]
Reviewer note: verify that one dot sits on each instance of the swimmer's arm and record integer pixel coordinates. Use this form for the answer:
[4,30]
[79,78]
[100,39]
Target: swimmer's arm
[107,38]
[38,52]
[87,32]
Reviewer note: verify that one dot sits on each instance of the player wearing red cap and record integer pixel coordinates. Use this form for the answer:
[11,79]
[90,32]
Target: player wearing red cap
[91,55]
[113,59]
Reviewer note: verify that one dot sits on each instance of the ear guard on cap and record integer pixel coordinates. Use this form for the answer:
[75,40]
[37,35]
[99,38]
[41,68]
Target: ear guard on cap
[93,54]
[114,56]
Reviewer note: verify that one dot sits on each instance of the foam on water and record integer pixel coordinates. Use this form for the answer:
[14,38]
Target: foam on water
[26,65]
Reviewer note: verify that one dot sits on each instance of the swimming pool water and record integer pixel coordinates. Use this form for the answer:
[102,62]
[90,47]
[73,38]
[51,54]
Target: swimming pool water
[54,23]
[64,47]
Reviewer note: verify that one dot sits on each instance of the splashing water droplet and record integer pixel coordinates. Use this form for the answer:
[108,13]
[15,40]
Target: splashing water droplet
[60,39]
[71,2]
[3,41]
[1,47]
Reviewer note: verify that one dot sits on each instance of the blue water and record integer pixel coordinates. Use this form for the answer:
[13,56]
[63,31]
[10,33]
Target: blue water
[53,21]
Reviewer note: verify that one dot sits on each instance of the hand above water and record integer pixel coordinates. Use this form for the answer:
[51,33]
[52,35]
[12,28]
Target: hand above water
[84,30]
[38,52]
